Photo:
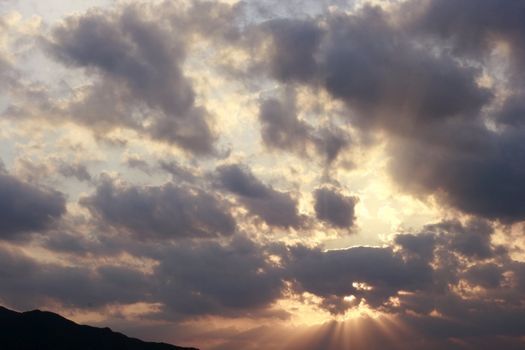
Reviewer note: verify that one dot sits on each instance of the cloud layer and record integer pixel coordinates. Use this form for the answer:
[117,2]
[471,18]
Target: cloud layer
[210,163]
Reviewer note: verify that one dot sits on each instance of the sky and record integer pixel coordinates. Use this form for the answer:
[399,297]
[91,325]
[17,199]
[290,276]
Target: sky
[302,174]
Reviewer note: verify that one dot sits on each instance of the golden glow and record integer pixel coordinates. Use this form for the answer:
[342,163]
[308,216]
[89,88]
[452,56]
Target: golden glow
[360,330]
[362,286]
[124,311]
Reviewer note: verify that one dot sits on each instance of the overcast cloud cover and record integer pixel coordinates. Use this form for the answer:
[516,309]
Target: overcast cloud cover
[222,174]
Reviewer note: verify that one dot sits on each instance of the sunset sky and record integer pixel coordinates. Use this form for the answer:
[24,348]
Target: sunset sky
[266,174]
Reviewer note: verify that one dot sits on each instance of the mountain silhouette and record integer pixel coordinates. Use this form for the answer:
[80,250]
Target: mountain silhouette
[40,330]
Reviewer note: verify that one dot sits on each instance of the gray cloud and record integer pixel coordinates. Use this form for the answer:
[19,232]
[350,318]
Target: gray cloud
[295,42]
[426,98]
[424,271]
[25,208]
[428,273]
[331,141]
[413,79]
[28,283]
[274,207]
[136,56]
[78,171]
[468,167]
[135,162]
[210,278]
[487,275]
[473,27]
[371,65]
[331,274]
[178,172]
[166,211]
[280,127]
[512,113]
[7,72]
[334,208]
[421,245]
[197,278]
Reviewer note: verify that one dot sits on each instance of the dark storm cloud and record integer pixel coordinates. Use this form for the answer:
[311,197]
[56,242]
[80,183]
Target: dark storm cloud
[210,278]
[334,208]
[136,55]
[167,211]
[275,208]
[25,208]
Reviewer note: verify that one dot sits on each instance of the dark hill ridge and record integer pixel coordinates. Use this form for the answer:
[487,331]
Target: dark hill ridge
[40,330]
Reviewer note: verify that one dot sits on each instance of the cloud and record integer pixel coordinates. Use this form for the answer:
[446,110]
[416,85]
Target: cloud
[473,27]
[423,271]
[135,55]
[475,170]
[209,278]
[78,171]
[331,141]
[167,212]
[380,73]
[81,287]
[7,72]
[25,208]
[190,280]
[487,275]
[281,129]
[275,208]
[334,275]
[427,100]
[178,172]
[437,85]
[292,55]
[425,281]
[334,208]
